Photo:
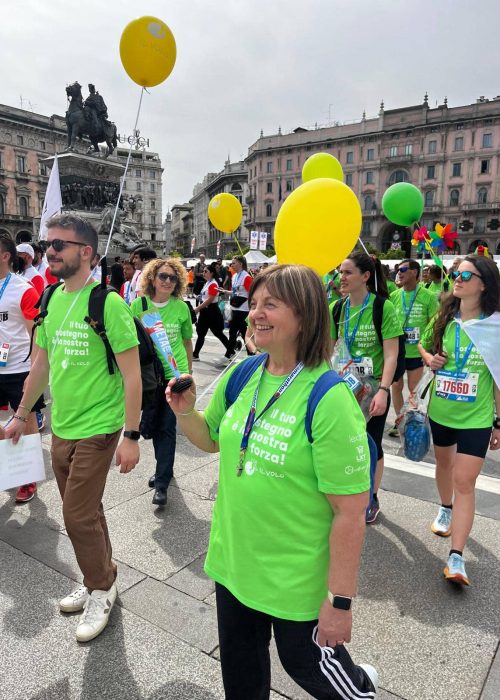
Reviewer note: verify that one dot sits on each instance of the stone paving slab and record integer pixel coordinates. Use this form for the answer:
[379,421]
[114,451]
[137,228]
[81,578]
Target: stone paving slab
[186,618]
[202,481]
[160,542]
[193,581]
[491,690]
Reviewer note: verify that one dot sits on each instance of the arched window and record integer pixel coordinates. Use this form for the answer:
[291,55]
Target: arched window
[429,198]
[23,206]
[236,187]
[454,198]
[368,202]
[398,176]
[482,195]
[2,205]
[269,209]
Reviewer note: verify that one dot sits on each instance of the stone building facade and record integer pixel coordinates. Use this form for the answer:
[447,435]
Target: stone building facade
[182,228]
[452,154]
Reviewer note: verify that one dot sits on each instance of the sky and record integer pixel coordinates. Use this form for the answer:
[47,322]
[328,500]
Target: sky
[248,65]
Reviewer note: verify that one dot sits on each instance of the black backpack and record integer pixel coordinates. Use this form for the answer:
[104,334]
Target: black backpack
[378,314]
[152,374]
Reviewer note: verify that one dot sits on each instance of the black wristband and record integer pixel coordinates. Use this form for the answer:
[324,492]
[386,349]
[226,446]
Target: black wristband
[385,388]
[496,423]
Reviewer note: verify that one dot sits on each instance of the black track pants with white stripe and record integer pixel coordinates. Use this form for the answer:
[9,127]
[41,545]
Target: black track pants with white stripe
[244,636]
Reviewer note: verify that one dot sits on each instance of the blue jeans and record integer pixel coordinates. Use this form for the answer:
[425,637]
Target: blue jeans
[164,439]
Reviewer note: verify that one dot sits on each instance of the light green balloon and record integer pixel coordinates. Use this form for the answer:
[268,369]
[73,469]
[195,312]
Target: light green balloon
[322,165]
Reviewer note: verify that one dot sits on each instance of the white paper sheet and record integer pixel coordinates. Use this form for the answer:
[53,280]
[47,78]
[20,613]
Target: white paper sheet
[22,463]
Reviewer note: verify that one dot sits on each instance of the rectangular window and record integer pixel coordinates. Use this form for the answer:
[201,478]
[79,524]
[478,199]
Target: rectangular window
[289,185]
[152,187]
[20,140]
[393,151]
[42,145]
[370,154]
[289,164]
[138,186]
[21,164]
[348,179]
[152,174]
[138,173]
[366,228]
[269,186]
[480,226]
[457,170]
[1,160]
[408,149]
[369,177]
[349,157]
[152,203]
[269,166]
[487,140]
[485,167]
[43,169]
[459,143]
[431,172]
[153,220]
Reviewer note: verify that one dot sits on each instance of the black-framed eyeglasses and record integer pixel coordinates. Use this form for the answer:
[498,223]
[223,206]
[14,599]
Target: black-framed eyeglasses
[164,277]
[466,275]
[58,244]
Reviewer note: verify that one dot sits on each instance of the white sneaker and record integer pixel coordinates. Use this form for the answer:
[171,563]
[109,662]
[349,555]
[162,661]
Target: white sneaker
[96,614]
[372,675]
[74,601]
[442,524]
[224,361]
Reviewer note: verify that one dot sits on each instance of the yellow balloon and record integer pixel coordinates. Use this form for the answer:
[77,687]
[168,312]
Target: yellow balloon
[148,51]
[322,165]
[225,212]
[318,225]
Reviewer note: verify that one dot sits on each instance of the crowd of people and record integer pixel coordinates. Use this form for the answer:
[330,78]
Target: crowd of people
[299,476]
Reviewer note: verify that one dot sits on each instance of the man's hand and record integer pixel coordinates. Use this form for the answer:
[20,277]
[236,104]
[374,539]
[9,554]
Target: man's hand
[334,626]
[14,430]
[495,439]
[127,455]
[379,403]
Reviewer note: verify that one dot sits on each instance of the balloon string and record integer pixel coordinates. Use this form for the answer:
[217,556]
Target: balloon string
[122,183]
[238,244]
[375,275]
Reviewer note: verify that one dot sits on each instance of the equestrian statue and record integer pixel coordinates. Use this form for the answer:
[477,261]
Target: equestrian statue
[90,119]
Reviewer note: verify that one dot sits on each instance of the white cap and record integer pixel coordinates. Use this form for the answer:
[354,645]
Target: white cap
[25,248]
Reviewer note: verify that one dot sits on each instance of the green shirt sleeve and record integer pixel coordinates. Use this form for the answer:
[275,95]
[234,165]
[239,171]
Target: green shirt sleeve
[119,324]
[216,409]
[428,335]
[391,326]
[341,457]
[186,324]
[433,305]
[41,337]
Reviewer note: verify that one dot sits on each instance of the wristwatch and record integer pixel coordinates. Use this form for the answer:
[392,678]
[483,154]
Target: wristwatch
[496,423]
[385,388]
[341,602]
[132,434]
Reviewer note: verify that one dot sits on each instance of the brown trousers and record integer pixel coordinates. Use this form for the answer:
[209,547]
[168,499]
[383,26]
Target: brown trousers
[81,468]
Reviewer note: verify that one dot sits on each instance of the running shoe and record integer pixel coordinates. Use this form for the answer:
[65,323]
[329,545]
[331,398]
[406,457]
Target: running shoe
[25,493]
[95,614]
[455,570]
[196,358]
[442,524]
[393,432]
[372,512]
[371,673]
[75,601]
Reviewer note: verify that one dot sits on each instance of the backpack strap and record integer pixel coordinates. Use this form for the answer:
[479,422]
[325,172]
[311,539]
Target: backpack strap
[240,377]
[323,384]
[144,303]
[41,305]
[95,319]
[337,313]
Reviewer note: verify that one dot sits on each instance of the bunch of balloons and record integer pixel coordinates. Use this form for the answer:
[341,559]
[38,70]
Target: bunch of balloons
[437,241]
[319,223]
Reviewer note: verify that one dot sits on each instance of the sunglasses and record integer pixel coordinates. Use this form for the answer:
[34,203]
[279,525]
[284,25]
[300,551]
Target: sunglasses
[164,277]
[405,268]
[58,244]
[465,275]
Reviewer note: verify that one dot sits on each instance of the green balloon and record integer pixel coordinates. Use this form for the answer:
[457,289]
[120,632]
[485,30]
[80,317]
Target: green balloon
[403,204]
[322,165]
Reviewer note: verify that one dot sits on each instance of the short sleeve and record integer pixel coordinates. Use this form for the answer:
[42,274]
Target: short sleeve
[216,409]
[28,301]
[433,305]
[391,327]
[341,457]
[119,323]
[428,336]
[186,323]
[247,283]
[41,337]
[212,289]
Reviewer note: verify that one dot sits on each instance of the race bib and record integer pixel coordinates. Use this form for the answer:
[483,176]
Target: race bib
[457,387]
[4,354]
[412,335]
[363,366]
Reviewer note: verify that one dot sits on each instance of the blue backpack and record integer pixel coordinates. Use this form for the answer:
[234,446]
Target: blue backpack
[417,436]
[242,373]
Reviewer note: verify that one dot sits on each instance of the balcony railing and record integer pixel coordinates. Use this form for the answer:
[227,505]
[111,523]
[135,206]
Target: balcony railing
[400,158]
[482,205]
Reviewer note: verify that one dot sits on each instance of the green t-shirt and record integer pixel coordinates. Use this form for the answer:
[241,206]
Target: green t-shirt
[436,288]
[366,342]
[269,542]
[331,280]
[86,399]
[391,286]
[414,323]
[461,414]
[178,326]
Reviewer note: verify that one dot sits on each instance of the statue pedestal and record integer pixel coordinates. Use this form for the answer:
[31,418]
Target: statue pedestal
[89,187]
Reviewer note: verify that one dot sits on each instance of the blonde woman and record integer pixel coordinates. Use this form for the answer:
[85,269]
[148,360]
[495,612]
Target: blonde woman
[164,284]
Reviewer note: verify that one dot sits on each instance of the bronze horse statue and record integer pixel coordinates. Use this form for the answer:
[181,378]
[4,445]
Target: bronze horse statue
[81,122]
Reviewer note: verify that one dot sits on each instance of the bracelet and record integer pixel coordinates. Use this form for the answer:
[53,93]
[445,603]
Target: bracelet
[385,388]
[25,407]
[193,410]
[23,420]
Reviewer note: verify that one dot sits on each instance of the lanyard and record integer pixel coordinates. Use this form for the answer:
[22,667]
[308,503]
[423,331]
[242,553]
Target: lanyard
[460,365]
[127,292]
[408,310]
[237,279]
[350,341]
[5,283]
[252,418]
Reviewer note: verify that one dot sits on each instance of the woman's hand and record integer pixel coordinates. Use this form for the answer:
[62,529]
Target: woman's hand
[437,361]
[184,402]
[495,439]
[14,430]
[334,626]
[379,403]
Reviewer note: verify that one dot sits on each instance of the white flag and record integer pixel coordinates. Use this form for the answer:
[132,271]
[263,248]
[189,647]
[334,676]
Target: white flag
[262,240]
[254,240]
[484,334]
[53,201]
